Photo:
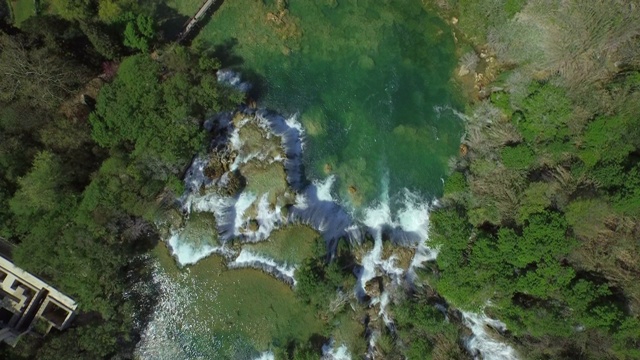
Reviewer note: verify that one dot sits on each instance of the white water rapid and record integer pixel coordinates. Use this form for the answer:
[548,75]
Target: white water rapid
[329,352]
[283,272]
[482,344]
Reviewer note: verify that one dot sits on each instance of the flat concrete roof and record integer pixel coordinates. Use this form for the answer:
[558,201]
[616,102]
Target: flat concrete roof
[34,281]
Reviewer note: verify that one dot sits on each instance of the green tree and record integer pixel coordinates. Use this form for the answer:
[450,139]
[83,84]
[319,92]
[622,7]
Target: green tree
[547,112]
[519,157]
[73,9]
[101,39]
[135,109]
[139,33]
[42,189]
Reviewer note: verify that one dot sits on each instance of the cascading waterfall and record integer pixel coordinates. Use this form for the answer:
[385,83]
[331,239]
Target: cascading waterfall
[311,203]
[187,254]
[283,272]
[481,344]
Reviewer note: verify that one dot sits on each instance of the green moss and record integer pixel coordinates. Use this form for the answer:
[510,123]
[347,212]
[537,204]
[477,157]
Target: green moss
[255,140]
[265,179]
[185,7]
[349,330]
[290,245]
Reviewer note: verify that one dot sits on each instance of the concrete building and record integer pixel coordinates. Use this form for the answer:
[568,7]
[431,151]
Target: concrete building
[28,304]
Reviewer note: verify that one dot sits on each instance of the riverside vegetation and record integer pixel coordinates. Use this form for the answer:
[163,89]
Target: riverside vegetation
[540,222]
[538,226]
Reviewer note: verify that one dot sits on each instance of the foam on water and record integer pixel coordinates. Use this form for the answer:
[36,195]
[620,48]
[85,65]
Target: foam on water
[439,110]
[223,207]
[267,355]
[329,352]
[384,302]
[481,344]
[283,272]
[163,337]
[233,79]
[326,216]
[268,219]
[194,178]
[186,254]
[323,188]
[245,200]
[409,227]
[291,135]
[412,220]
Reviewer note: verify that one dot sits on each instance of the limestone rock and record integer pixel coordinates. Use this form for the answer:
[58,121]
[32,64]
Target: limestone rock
[253,225]
[236,182]
[463,71]
[374,287]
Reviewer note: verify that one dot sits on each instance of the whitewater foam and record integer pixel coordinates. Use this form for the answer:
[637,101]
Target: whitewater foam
[481,344]
[267,355]
[329,352]
[187,254]
[283,272]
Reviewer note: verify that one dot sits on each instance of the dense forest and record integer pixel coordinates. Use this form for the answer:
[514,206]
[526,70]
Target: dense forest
[540,222]
[539,225]
[95,135]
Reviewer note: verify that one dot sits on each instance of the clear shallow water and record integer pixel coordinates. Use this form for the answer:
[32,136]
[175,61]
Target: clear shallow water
[371,81]
[209,312]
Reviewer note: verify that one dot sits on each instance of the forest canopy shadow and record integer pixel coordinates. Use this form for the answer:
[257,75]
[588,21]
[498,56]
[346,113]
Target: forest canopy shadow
[170,22]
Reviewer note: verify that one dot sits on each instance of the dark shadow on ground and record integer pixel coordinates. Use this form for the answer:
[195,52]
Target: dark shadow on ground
[226,53]
[258,82]
[171,23]
[186,40]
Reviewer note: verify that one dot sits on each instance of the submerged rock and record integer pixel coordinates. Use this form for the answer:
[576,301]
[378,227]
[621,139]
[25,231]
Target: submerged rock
[366,62]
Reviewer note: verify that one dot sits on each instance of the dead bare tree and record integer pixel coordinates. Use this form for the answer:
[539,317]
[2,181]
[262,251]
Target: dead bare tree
[35,73]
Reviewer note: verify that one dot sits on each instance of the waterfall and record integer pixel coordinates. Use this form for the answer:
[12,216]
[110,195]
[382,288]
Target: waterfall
[401,219]
[283,272]
[329,352]
[187,254]
[481,344]
[267,355]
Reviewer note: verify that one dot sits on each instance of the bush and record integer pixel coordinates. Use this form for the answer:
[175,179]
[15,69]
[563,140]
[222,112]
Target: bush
[455,183]
[519,157]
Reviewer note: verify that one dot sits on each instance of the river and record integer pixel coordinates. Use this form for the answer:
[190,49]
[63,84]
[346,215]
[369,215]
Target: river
[364,113]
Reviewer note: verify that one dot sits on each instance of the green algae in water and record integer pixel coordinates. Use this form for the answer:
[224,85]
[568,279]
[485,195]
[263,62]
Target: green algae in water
[209,312]
[371,80]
